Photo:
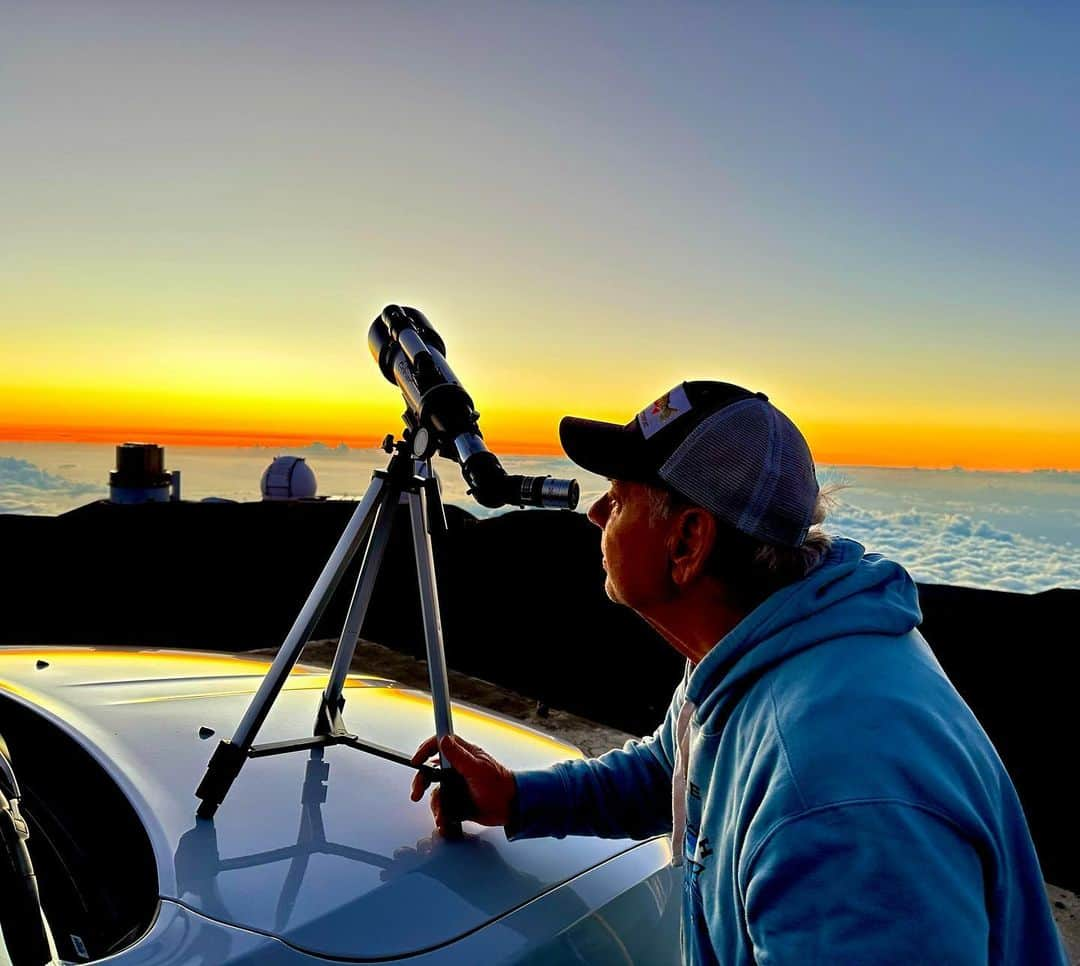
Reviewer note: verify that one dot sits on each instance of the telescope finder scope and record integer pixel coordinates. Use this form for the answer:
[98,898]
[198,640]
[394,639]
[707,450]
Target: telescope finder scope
[412,355]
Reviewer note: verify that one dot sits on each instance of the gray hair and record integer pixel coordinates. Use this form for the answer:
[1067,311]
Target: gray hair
[751,568]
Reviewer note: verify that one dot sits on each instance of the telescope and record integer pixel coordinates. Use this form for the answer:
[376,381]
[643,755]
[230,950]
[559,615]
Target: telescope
[441,418]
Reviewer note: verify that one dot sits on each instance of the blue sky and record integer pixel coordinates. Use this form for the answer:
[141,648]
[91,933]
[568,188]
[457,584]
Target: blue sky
[869,211]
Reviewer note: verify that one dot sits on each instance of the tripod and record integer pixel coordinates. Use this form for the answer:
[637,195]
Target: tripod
[406,474]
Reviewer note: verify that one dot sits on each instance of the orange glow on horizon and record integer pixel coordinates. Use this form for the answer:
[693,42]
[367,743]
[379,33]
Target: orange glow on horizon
[1012,449]
[543,446]
[176,437]
[1006,449]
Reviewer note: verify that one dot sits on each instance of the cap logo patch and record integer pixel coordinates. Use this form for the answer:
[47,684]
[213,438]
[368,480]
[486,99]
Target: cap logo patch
[661,413]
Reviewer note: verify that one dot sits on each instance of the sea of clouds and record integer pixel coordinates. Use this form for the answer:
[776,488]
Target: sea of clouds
[26,488]
[1003,531]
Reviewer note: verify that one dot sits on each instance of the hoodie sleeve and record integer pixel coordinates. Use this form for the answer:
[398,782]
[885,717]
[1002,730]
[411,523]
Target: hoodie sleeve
[876,881]
[625,793]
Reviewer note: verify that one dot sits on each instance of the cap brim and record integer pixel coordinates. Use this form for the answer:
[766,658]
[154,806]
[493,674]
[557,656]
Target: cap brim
[606,449]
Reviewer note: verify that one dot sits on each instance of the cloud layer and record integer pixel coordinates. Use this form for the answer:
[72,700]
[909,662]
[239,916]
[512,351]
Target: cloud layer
[998,531]
[26,488]
[1007,531]
[952,548]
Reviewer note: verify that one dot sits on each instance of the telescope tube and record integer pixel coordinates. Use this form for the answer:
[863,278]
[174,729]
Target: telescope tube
[411,355]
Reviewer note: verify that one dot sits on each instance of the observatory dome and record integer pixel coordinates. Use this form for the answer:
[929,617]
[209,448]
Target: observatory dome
[288,478]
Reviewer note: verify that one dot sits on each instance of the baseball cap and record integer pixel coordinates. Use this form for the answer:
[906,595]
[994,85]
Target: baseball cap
[720,446]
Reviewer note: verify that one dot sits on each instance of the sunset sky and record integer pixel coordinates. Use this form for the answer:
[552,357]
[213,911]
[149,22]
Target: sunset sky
[869,212]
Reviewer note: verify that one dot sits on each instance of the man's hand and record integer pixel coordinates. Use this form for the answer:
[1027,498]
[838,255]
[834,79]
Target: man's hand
[490,784]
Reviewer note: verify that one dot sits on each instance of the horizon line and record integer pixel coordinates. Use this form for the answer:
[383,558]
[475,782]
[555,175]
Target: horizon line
[223,439]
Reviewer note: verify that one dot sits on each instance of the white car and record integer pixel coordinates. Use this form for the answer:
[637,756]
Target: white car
[313,856]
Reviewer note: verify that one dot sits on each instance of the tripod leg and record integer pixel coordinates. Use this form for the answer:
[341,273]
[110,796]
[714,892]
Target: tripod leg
[429,603]
[365,585]
[457,803]
[229,757]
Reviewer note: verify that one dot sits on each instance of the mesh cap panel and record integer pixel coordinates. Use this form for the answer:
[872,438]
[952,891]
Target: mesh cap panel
[749,465]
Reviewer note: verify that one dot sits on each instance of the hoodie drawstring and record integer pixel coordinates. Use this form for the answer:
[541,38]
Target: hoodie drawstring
[678,782]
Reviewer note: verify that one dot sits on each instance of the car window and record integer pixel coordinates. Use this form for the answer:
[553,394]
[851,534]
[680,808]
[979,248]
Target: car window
[92,856]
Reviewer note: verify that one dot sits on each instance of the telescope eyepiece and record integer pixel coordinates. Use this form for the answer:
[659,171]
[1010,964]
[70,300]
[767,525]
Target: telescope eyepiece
[562,494]
[543,491]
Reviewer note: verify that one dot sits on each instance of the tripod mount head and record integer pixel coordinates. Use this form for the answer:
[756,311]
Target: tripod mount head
[441,418]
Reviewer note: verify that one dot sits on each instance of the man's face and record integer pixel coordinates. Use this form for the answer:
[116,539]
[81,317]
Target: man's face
[635,549]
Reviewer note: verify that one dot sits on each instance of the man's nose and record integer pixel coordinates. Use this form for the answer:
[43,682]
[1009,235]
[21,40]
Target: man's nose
[598,511]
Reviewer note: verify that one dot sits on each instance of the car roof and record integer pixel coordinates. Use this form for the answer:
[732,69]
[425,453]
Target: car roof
[325,851]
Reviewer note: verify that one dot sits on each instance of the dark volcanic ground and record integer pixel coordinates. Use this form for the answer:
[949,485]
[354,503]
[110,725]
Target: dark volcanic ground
[523,606]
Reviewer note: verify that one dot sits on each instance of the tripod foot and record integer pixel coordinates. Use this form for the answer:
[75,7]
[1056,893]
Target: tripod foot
[457,804]
[224,766]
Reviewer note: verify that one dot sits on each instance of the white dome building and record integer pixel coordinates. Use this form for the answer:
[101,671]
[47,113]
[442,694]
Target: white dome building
[288,478]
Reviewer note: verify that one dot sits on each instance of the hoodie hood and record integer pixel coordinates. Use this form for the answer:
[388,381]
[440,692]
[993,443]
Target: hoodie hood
[850,592]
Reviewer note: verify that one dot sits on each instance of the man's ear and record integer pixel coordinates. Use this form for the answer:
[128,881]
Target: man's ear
[690,544]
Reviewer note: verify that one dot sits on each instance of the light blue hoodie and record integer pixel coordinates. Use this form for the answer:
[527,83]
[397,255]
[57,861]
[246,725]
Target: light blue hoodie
[830,795]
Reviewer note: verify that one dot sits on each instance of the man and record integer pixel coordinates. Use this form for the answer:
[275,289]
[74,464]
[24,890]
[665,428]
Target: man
[829,794]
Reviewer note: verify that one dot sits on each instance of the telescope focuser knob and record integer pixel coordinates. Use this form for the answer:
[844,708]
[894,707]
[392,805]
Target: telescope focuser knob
[388,443]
